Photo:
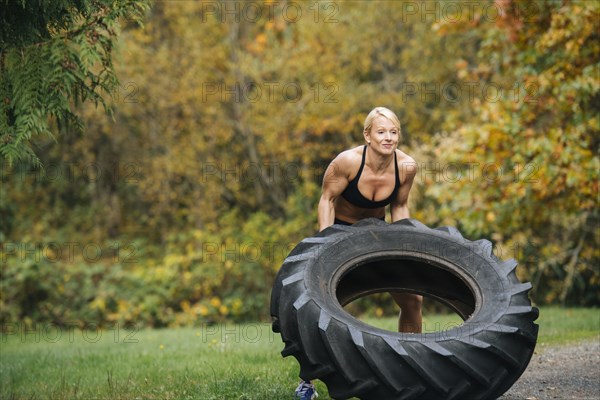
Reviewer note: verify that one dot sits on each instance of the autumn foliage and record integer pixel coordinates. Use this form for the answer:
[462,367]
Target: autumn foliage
[182,206]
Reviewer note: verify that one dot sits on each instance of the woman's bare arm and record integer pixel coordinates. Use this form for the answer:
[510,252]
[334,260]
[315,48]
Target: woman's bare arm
[399,207]
[335,181]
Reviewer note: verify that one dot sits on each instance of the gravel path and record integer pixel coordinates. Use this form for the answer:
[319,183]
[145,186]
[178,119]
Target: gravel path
[565,372]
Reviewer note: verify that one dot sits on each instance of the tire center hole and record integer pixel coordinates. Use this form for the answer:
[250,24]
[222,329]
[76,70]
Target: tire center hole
[364,288]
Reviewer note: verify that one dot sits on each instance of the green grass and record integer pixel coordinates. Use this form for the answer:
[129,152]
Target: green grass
[222,362]
[567,325]
[226,362]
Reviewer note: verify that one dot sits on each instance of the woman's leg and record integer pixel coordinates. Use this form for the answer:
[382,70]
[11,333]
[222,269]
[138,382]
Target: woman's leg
[410,312]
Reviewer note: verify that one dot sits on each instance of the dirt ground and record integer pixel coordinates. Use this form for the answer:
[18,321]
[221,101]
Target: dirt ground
[565,372]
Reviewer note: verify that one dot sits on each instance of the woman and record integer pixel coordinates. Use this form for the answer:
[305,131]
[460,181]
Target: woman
[359,183]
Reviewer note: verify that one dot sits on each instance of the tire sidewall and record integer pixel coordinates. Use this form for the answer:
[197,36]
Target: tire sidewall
[471,262]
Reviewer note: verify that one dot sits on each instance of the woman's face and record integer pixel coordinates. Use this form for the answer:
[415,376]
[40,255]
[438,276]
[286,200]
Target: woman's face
[384,135]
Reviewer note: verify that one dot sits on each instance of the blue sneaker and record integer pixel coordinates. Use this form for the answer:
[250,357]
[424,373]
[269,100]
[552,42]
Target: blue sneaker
[305,391]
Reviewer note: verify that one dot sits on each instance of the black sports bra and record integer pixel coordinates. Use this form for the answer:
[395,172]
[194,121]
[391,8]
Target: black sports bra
[354,196]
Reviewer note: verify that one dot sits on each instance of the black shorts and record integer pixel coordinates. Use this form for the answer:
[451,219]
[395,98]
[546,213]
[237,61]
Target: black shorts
[342,222]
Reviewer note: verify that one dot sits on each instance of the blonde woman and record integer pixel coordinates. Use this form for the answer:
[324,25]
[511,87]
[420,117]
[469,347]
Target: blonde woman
[360,183]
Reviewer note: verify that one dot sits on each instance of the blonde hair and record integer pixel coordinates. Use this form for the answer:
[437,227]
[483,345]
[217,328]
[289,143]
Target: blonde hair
[386,112]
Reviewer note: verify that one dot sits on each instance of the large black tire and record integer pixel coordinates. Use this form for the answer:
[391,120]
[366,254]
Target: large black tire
[479,359]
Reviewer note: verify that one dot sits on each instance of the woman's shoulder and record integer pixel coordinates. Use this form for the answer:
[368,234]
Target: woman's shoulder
[406,162]
[402,156]
[350,156]
[346,163]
